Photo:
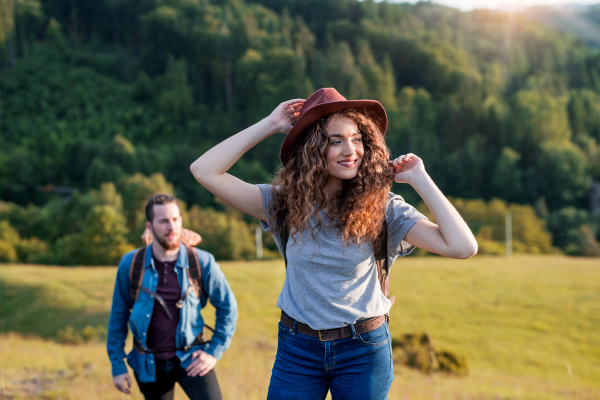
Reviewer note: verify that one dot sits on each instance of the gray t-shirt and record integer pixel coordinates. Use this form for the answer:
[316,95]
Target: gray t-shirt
[329,285]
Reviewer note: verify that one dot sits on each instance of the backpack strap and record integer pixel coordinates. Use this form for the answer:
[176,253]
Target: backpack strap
[194,272]
[195,279]
[381,259]
[283,231]
[379,248]
[136,272]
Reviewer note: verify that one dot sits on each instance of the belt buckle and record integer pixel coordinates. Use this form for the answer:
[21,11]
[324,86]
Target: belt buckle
[321,338]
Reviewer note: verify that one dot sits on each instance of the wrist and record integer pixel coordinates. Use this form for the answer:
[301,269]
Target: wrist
[267,127]
[420,179]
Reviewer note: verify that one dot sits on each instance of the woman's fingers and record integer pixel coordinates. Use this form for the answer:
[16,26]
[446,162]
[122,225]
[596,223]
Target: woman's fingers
[293,105]
[400,162]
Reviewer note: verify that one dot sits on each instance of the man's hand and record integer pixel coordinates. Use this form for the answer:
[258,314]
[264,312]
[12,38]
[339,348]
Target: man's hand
[120,380]
[202,364]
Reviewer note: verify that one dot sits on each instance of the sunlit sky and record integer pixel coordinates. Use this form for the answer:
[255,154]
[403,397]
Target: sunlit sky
[468,5]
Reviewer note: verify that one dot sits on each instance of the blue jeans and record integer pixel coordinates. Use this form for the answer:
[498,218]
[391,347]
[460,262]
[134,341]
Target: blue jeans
[306,368]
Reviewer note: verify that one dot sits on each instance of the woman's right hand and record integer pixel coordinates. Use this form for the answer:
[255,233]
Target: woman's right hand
[287,112]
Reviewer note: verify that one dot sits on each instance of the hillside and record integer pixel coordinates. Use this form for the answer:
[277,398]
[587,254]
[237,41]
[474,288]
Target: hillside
[95,92]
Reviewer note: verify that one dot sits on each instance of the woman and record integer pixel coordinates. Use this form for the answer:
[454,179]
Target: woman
[332,196]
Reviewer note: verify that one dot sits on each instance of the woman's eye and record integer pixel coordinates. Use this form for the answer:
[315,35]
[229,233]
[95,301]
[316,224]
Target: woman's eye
[335,142]
[358,139]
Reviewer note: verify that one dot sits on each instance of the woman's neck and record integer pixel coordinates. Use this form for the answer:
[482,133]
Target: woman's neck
[331,189]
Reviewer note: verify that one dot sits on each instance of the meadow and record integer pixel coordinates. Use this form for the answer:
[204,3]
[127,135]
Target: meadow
[528,327]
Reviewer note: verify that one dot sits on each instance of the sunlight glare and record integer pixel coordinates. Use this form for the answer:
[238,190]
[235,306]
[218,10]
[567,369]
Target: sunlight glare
[505,5]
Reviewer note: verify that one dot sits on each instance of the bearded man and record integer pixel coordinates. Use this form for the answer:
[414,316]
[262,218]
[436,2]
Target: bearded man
[160,290]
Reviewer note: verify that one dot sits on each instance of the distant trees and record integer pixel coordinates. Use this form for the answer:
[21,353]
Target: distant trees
[93,92]
[99,227]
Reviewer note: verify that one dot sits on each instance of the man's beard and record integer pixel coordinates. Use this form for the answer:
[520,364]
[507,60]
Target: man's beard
[166,245]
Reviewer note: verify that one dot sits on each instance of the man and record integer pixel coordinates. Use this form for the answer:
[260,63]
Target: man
[163,312]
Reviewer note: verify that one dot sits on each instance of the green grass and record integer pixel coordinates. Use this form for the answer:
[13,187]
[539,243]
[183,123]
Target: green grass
[519,322]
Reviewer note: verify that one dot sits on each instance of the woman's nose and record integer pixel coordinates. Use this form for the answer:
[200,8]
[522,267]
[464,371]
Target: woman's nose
[349,149]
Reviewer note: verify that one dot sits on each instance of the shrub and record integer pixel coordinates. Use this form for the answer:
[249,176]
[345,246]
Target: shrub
[582,242]
[102,241]
[225,235]
[417,350]
[7,252]
[32,250]
[8,233]
[135,191]
[487,221]
[575,231]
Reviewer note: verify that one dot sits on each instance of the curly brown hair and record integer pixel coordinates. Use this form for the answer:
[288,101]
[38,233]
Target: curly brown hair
[358,210]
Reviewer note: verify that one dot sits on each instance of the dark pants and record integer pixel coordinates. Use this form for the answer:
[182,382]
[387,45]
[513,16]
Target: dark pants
[168,372]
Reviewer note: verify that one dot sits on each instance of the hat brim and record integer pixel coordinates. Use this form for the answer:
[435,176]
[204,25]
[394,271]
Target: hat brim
[371,108]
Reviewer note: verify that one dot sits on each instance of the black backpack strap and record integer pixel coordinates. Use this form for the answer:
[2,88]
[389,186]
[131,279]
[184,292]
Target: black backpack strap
[195,278]
[283,232]
[136,276]
[194,272]
[381,258]
[159,298]
[136,272]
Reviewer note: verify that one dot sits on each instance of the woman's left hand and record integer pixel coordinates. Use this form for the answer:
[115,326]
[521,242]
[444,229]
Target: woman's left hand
[406,167]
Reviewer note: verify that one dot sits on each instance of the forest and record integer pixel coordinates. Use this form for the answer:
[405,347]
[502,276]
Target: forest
[105,102]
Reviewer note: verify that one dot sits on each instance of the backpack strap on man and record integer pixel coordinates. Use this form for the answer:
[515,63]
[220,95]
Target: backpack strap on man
[136,272]
[194,272]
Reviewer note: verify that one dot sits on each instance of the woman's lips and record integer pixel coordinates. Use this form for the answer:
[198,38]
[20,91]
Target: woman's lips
[347,163]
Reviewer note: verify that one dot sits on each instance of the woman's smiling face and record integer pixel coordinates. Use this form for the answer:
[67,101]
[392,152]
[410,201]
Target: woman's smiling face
[346,150]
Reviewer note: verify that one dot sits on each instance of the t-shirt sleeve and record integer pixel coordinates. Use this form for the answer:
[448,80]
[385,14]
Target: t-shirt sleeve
[267,195]
[400,217]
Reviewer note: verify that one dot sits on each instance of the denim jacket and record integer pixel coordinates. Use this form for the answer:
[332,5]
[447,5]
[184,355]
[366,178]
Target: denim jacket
[214,288]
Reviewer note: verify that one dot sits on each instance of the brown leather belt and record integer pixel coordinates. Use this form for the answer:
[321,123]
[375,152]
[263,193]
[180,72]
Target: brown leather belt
[337,333]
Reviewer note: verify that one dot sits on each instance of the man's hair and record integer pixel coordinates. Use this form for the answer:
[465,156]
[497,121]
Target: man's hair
[157,199]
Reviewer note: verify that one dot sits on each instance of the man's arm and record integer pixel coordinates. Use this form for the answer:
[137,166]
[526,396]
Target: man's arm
[221,297]
[119,317]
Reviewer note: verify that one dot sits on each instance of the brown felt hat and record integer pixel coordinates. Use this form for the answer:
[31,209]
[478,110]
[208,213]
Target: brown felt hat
[324,102]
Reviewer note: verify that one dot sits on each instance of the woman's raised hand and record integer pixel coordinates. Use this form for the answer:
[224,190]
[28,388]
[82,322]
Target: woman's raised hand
[287,112]
[406,167]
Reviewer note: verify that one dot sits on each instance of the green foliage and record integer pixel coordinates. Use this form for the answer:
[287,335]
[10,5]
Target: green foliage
[508,178]
[582,242]
[561,173]
[487,221]
[54,33]
[225,235]
[92,228]
[8,253]
[95,98]
[133,92]
[576,231]
[14,248]
[136,190]
[9,238]
[32,250]
[101,242]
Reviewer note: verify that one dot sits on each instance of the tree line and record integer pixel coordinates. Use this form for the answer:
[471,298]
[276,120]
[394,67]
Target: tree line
[498,106]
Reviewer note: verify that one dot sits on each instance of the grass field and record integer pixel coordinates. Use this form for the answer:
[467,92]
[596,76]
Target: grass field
[529,327]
